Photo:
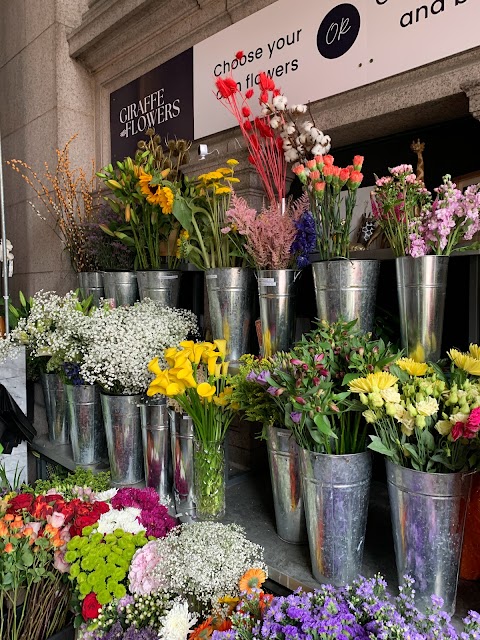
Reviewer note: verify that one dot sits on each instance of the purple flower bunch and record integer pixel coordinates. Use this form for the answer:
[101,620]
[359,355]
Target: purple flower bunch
[363,610]
[452,216]
[104,248]
[154,516]
[72,373]
[306,239]
[117,632]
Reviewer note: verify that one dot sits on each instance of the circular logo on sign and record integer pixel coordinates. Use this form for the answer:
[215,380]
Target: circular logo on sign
[338,31]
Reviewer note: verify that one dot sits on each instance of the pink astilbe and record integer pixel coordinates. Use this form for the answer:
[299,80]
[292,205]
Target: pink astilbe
[269,234]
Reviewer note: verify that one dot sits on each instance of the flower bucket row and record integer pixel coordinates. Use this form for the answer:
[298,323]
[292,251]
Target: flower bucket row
[336,396]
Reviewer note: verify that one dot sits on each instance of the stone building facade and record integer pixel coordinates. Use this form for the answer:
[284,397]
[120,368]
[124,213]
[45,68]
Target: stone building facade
[61,59]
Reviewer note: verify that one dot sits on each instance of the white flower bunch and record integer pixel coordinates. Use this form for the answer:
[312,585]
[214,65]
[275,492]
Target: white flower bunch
[49,328]
[302,140]
[121,342]
[205,561]
[124,519]
[178,622]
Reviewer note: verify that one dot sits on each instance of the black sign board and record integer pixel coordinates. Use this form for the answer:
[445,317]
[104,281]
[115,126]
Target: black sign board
[161,98]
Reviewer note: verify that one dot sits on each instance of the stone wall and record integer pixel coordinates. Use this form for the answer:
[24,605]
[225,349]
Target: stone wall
[46,97]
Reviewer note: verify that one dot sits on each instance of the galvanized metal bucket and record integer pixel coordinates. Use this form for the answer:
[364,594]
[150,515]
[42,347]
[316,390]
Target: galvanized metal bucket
[336,493]
[276,290]
[230,301]
[121,416]
[283,458]
[121,287]
[346,289]
[156,446]
[87,433]
[91,284]
[421,286]
[428,519]
[182,441]
[161,286]
[55,408]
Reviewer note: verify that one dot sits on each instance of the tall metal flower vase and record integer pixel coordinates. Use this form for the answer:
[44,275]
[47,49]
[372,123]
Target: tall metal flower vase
[346,289]
[230,301]
[87,432]
[276,290]
[162,286]
[55,408]
[91,284]
[121,416]
[335,493]
[284,463]
[421,287]
[156,446]
[121,287]
[181,438]
[428,518]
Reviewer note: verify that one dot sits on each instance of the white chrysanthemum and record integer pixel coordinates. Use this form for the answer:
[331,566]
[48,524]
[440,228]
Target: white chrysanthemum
[125,519]
[105,496]
[178,623]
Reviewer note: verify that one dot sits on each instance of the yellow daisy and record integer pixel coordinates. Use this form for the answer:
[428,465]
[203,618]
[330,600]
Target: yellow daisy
[373,382]
[232,162]
[465,362]
[475,351]
[412,367]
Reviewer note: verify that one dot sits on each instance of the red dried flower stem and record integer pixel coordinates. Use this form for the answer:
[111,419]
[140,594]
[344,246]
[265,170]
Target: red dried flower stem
[264,147]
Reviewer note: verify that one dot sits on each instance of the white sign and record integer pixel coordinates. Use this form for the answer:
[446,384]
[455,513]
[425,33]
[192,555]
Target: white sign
[318,48]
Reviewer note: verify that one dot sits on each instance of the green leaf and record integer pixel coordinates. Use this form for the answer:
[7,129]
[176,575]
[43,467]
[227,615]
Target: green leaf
[183,214]
[323,424]
[378,446]
[27,558]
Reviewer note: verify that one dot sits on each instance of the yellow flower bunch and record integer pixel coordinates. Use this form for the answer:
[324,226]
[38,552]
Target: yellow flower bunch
[469,362]
[196,376]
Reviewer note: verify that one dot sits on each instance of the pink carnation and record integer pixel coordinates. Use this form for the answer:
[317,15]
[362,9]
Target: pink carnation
[457,431]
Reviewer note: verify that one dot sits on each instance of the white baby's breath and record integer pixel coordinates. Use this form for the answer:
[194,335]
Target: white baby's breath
[122,341]
[205,561]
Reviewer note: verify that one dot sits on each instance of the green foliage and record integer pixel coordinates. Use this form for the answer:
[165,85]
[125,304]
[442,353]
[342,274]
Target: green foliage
[68,484]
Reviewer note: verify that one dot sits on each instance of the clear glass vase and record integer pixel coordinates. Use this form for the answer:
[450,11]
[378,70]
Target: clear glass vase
[209,469]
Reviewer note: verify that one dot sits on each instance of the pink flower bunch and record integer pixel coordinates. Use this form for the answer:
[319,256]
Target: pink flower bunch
[469,428]
[270,233]
[141,575]
[154,516]
[453,216]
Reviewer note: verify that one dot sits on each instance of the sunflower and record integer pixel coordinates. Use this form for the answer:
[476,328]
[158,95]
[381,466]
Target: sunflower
[373,382]
[149,191]
[412,367]
[464,361]
[252,579]
[165,199]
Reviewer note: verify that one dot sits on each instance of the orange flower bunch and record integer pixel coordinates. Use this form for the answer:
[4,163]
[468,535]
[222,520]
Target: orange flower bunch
[14,528]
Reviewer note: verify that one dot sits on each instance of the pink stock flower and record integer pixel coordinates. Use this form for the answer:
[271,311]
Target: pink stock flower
[57,520]
[59,562]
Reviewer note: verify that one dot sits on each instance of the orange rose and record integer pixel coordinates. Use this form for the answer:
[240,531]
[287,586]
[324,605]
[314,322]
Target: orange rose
[8,547]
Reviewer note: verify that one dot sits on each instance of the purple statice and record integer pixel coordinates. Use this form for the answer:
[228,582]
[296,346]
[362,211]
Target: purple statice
[154,516]
[305,239]
[147,633]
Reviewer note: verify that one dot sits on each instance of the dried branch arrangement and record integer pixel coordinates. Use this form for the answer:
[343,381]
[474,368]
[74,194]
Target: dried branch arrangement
[66,203]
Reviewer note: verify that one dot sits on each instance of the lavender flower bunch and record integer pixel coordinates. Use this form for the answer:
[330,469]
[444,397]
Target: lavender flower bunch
[363,610]
[305,241]
[452,216]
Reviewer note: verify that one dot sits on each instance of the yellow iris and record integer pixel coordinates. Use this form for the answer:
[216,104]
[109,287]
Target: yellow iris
[373,382]
[154,367]
[211,364]
[174,389]
[411,367]
[206,390]
[170,354]
[464,361]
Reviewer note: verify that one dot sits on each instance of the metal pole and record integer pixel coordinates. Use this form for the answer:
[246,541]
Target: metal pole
[4,243]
